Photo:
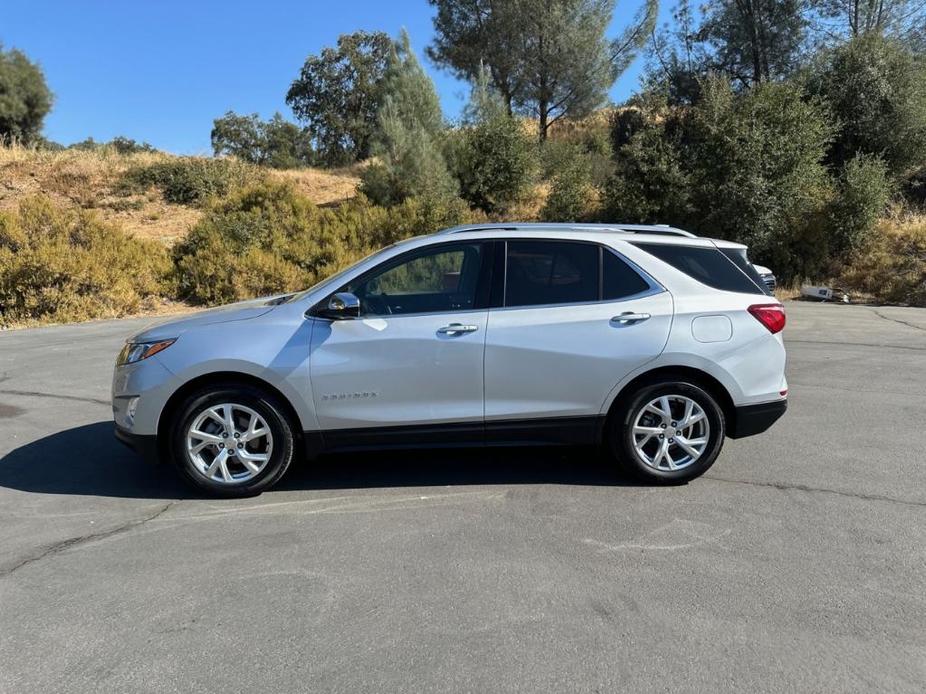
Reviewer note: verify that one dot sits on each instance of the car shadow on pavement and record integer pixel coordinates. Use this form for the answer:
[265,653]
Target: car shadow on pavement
[87,460]
[451,467]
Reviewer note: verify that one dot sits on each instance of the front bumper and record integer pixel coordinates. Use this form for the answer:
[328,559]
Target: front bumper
[749,420]
[144,445]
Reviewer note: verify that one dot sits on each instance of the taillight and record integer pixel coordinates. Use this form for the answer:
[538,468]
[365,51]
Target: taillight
[772,316]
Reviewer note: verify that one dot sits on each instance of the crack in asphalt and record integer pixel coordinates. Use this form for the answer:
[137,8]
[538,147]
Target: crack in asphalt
[806,488]
[896,320]
[39,394]
[72,542]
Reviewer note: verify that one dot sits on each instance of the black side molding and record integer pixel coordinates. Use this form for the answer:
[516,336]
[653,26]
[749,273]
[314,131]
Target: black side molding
[754,419]
[544,431]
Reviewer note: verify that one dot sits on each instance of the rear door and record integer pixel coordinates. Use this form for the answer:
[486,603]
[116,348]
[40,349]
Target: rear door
[574,319]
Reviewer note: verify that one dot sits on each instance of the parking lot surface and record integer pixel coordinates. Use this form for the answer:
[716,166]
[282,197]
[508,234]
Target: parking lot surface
[797,563]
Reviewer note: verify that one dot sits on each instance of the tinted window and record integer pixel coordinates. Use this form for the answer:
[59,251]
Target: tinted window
[707,265]
[738,257]
[550,272]
[619,280]
[435,280]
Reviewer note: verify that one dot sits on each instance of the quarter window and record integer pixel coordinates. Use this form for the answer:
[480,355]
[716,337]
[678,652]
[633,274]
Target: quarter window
[707,265]
[618,279]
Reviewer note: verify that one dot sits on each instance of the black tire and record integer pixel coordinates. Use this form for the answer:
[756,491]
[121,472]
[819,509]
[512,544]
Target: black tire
[621,437]
[265,405]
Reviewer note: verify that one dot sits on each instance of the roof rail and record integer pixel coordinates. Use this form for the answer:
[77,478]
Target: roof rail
[663,229]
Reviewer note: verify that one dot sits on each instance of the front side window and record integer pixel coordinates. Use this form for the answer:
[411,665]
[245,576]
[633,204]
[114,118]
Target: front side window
[433,280]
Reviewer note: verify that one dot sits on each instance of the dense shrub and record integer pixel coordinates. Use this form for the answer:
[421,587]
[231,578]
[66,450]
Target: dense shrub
[651,182]
[571,197]
[876,90]
[270,239]
[861,196]
[494,162]
[587,140]
[891,267]
[757,171]
[66,265]
[119,145]
[191,180]
[744,166]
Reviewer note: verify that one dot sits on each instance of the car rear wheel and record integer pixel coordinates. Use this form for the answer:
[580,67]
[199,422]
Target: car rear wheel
[668,432]
[232,440]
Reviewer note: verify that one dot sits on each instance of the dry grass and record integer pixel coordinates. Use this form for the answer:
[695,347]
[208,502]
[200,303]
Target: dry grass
[89,179]
[891,268]
[323,186]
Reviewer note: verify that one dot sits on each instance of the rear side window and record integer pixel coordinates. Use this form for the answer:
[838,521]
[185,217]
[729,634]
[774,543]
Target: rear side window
[707,265]
[550,272]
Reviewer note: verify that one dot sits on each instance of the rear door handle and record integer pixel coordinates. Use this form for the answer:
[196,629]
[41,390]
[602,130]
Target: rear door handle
[456,328]
[630,317]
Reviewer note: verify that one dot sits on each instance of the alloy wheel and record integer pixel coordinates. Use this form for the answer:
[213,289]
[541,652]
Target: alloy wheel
[229,443]
[670,432]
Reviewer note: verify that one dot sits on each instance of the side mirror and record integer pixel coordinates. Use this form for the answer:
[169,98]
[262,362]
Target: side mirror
[340,306]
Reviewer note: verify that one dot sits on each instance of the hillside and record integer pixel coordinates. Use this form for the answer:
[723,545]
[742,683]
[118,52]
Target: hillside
[93,180]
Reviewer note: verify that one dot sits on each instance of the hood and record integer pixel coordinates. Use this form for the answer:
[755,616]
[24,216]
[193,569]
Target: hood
[242,310]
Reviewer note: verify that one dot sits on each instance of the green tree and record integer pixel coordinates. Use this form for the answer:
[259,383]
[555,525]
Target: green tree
[652,180]
[571,193]
[900,19]
[275,143]
[408,142]
[747,166]
[677,58]
[491,155]
[25,99]
[863,190]
[755,40]
[338,94]
[120,143]
[548,58]
[748,41]
[757,173]
[877,91]
[470,34]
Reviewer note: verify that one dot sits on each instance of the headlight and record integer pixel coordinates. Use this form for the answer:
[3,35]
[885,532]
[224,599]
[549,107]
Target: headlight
[136,351]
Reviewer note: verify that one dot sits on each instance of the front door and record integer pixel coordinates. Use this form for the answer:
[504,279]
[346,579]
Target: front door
[412,362]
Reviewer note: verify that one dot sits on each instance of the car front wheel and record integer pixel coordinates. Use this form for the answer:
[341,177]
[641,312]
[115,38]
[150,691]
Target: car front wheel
[232,440]
[668,432]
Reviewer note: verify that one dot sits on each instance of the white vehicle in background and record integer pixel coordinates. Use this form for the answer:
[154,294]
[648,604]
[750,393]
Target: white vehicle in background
[645,340]
[767,276]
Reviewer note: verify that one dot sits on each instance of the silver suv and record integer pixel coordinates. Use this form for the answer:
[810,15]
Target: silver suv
[646,340]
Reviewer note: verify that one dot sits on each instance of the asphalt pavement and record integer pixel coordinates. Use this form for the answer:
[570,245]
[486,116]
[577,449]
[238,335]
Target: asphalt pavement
[797,563]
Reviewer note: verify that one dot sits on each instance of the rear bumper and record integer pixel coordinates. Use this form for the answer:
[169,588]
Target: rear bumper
[144,445]
[754,419]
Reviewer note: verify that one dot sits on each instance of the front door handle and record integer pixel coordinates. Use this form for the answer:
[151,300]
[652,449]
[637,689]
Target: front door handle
[456,328]
[629,317]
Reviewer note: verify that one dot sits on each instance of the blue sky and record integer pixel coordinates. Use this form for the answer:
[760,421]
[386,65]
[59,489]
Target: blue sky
[161,71]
